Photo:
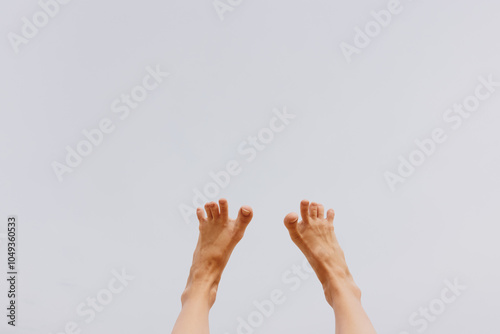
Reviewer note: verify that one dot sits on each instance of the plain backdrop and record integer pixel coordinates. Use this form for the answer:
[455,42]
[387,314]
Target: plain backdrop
[121,207]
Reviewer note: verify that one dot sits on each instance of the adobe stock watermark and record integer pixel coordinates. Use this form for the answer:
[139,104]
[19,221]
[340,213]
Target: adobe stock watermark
[225,6]
[88,309]
[121,107]
[31,26]
[421,319]
[363,37]
[292,279]
[453,117]
[248,151]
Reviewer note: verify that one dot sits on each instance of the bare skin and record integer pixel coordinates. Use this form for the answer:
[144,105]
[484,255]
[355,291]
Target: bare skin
[218,236]
[315,237]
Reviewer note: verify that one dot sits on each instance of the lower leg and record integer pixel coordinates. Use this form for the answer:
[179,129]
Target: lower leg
[315,237]
[218,236]
[197,300]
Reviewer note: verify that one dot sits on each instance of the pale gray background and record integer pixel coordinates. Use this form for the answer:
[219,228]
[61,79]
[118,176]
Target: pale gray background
[120,208]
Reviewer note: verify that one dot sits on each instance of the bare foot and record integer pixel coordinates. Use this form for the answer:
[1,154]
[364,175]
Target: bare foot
[218,236]
[315,237]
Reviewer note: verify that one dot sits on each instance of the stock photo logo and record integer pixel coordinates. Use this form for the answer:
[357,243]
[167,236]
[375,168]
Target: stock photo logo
[31,27]
[291,279]
[121,106]
[224,6]
[248,150]
[92,306]
[363,37]
[428,314]
[453,117]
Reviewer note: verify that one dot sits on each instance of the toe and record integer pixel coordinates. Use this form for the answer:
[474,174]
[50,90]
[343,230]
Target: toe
[313,210]
[291,221]
[201,215]
[244,215]
[209,211]
[223,208]
[321,211]
[304,210]
[330,215]
[214,208]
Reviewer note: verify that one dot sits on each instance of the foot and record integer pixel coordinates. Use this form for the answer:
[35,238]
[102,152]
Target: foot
[218,236]
[315,237]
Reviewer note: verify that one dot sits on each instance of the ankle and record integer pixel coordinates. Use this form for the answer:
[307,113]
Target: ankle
[202,284]
[341,290]
[203,292]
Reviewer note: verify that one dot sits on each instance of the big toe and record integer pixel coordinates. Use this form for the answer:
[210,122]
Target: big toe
[291,220]
[245,215]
